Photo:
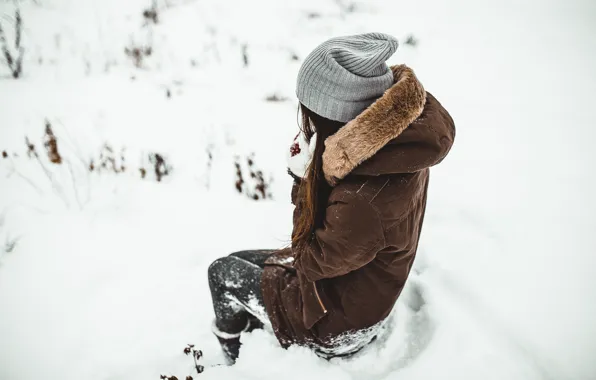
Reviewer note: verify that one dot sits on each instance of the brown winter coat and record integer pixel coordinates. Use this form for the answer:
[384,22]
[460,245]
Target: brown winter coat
[352,273]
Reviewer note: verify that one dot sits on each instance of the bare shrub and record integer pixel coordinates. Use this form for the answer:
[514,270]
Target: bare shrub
[196,356]
[4,154]
[254,185]
[151,14]
[276,98]
[138,54]
[10,244]
[209,166]
[31,152]
[14,61]
[239,178]
[109,160]
[51,144]
[346,6]
[160,166]
[245,55]
[411,40]
[114,161]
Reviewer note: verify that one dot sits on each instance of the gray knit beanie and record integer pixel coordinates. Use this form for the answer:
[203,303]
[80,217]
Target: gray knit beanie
[345,75]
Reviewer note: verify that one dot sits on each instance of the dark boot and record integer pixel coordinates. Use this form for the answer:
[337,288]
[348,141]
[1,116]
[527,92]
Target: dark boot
[231,348]
[230,343]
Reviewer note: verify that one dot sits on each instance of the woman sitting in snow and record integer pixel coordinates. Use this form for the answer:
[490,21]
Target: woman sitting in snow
[361,163]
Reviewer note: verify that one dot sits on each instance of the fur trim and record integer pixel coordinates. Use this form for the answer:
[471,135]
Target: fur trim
[384,120]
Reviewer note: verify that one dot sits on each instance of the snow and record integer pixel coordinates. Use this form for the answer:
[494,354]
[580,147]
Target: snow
[103,275]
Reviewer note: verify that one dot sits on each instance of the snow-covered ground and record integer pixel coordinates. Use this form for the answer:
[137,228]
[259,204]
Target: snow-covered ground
[103,275]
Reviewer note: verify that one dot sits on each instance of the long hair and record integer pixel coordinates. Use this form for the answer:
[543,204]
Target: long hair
[314,190]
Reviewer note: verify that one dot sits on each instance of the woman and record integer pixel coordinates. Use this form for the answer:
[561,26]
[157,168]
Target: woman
[369,134]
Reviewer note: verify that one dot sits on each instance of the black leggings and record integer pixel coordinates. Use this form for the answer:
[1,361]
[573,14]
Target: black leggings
[235,283]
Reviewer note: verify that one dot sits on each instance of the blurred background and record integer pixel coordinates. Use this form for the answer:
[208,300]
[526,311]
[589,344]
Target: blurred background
[142,139]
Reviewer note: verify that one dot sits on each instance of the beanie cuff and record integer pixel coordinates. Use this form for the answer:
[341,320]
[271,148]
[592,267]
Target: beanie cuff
[329,107]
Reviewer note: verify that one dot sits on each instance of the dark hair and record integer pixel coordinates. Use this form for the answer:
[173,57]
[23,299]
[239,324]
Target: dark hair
[314,190]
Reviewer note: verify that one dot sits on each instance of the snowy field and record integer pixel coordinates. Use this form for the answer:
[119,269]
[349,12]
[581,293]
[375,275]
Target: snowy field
[103,273]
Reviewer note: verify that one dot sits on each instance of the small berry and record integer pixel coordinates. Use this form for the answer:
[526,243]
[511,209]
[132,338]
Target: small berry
[295,149]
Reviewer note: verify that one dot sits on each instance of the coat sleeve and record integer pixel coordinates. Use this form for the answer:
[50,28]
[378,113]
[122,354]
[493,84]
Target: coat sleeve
[350,238]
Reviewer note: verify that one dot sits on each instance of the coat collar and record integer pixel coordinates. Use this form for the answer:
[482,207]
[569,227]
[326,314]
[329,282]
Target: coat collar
[383,121]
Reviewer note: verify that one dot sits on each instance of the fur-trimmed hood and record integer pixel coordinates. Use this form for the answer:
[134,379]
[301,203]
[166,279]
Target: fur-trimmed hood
[404,131]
